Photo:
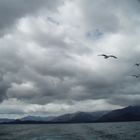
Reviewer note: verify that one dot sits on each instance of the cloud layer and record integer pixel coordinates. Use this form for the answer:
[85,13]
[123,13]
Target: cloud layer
[49,55]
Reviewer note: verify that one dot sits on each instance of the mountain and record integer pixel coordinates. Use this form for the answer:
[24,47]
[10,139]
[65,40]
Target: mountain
[36,118]
[3,120]
[130,113]
[78,117]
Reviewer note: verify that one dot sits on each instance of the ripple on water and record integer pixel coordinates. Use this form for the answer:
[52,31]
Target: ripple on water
[102,131]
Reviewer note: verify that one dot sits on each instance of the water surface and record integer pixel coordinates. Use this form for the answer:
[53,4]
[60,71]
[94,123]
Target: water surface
[93,131]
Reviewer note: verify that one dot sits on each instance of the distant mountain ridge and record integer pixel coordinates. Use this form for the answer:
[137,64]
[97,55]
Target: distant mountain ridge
[36,118]
[6,120]
[78,117]
[130,113]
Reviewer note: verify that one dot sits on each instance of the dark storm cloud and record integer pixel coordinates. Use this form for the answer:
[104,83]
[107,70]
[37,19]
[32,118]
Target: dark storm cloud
[3,88]
[12,10]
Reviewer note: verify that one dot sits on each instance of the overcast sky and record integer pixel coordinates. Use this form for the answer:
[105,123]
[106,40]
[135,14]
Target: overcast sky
[49,63]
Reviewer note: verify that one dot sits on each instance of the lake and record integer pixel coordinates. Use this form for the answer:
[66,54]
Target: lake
[92,131]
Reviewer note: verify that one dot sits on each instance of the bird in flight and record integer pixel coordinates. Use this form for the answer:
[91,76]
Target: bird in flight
[137,64]
[107,56]
[136,76]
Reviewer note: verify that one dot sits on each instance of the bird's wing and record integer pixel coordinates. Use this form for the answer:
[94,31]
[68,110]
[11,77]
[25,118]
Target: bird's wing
[137,64]
[137,76]
[102,55]
[113,56]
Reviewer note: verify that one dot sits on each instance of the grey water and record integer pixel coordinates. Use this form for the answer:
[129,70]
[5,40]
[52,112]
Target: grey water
[92,131]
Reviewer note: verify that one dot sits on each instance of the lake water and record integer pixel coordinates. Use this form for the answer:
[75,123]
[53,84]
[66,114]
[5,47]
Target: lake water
[94,131]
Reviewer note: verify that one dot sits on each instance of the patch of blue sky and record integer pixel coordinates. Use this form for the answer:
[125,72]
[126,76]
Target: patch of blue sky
[96,34]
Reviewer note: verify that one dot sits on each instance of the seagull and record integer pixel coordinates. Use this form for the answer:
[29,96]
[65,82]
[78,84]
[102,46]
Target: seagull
[136,76]
[137,64]
[107,56]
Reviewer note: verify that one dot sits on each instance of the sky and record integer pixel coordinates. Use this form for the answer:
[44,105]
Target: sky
[49,63]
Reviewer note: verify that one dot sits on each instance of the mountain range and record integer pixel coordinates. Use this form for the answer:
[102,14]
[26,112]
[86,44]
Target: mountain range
[79,117]
[130,113]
